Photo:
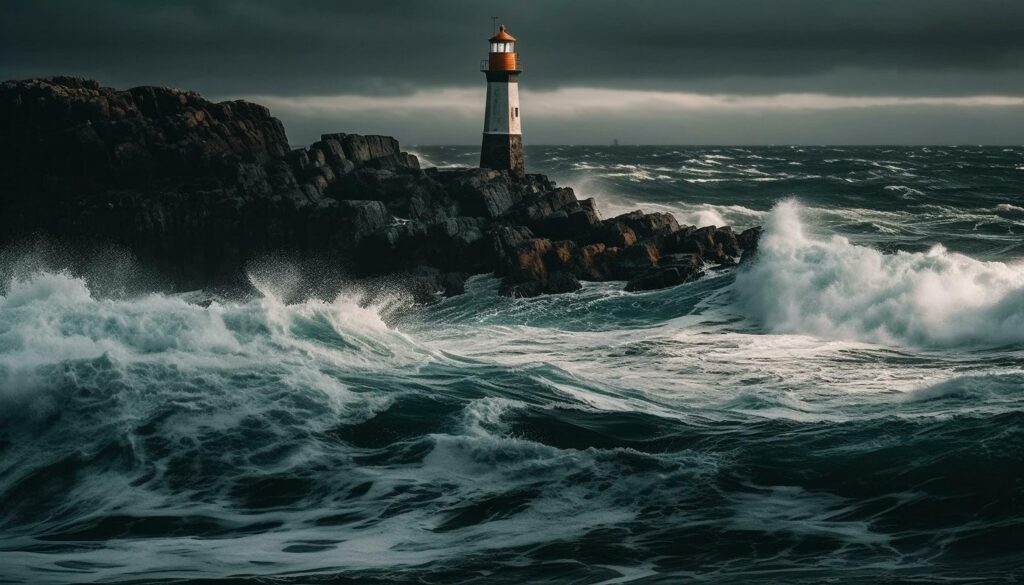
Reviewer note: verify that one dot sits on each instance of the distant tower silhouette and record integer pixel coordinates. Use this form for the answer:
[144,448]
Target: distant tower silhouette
[502,147]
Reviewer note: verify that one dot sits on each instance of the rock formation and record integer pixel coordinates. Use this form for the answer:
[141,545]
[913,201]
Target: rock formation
[199,189]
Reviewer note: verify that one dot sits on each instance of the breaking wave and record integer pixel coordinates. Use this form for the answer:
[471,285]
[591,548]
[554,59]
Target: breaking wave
[842,408]
[802,283]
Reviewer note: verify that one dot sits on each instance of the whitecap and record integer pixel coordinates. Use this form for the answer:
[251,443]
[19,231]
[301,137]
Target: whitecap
[832,288]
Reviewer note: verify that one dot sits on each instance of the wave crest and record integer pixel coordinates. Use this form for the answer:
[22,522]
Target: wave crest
[831,288]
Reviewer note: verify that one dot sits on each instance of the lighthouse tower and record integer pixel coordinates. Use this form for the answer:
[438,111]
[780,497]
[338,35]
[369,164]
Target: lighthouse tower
[502,147]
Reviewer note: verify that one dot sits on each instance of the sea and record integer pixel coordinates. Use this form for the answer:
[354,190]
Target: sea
[845,407]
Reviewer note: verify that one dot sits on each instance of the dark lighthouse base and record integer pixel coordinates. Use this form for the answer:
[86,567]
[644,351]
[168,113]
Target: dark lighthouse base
[502,152]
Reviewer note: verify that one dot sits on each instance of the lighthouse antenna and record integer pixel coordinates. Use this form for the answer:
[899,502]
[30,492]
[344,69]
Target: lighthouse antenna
[494,25]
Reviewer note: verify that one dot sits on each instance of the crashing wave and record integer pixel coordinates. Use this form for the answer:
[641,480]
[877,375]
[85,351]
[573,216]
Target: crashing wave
[831,288]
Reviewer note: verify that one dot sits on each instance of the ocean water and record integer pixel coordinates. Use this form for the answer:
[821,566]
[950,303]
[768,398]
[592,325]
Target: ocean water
[848,408]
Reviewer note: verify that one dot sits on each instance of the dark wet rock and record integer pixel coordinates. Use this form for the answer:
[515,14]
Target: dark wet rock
[634,260]
[526,262]
[748,240]
[425,284]
[198,190]
[727,240]
[719,245]
[555,283]
[489,193]
[395,162]
[562,282]
[672,270]
[648,225]
[616,234]
[595,262]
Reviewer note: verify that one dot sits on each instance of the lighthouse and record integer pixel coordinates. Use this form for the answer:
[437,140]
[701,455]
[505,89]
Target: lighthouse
[502,147]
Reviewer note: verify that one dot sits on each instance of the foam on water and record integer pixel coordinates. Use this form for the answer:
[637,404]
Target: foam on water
[804,283]
[844,407]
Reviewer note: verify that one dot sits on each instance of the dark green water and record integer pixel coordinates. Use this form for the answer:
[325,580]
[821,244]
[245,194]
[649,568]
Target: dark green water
[848,408]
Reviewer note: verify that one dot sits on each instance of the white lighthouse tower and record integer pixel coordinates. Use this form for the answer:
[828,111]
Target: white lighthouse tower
[502,147]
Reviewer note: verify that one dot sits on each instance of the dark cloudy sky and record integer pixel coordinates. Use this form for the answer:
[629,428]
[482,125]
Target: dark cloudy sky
[680,72]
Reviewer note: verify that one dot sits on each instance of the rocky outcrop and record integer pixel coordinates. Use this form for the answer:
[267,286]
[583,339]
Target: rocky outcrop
[199,190]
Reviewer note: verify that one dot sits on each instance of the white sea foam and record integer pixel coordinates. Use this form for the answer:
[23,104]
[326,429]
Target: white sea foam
[699,214]
[985,388]
[904,191]
[718,215]
[1010,209]
[51,319]
[828,287]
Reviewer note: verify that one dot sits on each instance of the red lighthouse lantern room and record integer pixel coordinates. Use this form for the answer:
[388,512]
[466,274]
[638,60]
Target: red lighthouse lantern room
[503,56]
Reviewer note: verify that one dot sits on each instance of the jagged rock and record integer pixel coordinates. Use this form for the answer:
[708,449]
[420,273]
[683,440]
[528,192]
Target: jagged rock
[426,283]
[634,260]
[556,283]
[361,149]
[505,241]
[595,261]
[559,215]
[726,239]
[614,233]
[333,153]
[527,261]
[671,270]
[394,162]
[70,127]
[561,282]
[562,256]
[198,190]
[748,240]
[364,217]
[527,273]
[592,262]
[489,193]
[299,160]
[252,180]
[648,225]
[455,245]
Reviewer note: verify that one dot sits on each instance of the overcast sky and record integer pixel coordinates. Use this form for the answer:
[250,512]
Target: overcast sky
[670,72]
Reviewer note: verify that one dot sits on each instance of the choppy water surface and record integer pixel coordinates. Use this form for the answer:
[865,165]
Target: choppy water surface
[848,408]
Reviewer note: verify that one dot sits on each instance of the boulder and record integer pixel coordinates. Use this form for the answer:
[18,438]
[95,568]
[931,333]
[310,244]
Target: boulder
[556,283]
[648,225]
[526,263]
[505,240]
[595,262]
[727,241]
[334,154]
[361,149]
[394,162]
[426,283]
[634,260]
[748,240]
[672,270]
[614,233]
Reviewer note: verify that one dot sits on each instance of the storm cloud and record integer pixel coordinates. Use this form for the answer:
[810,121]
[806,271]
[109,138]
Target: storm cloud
[858,58]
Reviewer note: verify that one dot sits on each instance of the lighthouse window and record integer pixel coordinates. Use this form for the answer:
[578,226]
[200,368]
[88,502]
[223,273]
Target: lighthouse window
[494,47]
[517,113]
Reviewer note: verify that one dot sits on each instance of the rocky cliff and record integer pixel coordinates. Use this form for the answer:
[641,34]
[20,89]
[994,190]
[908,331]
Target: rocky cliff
[199,190]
